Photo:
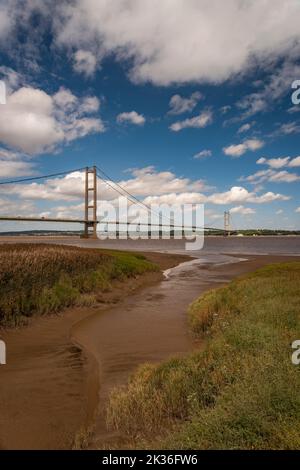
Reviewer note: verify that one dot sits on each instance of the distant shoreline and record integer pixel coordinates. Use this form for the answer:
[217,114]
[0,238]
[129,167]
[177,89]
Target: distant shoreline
[7,237]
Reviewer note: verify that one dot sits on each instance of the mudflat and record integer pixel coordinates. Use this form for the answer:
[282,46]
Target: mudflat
[57,374]
[49,386]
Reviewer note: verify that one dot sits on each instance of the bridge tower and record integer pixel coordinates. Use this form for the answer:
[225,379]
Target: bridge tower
[227,223]
[90,203]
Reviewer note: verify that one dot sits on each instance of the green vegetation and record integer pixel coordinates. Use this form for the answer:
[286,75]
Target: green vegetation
[258,232]
[40,278]
[241,391]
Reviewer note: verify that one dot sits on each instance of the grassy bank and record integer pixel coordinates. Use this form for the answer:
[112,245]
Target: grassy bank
[40,279]
[241,391]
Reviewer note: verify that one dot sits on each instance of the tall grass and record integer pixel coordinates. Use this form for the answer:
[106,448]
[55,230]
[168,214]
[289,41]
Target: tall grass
[242,391]
[40,278]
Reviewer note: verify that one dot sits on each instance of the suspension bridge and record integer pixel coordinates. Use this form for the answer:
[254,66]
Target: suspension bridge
[90,220]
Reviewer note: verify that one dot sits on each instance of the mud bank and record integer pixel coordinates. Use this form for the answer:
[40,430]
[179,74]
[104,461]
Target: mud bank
[60,369]
[150,326]
[49,386]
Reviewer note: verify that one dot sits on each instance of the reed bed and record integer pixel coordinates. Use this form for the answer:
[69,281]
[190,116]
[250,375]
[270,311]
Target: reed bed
[41,278]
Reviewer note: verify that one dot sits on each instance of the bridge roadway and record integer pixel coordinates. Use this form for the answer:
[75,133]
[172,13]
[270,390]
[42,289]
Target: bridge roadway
[83,221]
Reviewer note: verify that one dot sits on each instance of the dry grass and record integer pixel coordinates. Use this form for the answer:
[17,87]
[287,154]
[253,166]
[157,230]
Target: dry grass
[242,391]
[40,278]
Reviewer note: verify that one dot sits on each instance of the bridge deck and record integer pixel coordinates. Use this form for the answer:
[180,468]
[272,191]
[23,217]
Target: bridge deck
[82,221]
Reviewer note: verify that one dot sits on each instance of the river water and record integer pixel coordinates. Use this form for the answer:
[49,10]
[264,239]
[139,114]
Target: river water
[212,245]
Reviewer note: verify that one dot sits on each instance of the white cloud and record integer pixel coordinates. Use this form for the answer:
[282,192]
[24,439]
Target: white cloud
[89,104]
[280,211]
[245,127]
[209,214]
[242,210]
[235,195]
[271,175]
[5,21]
[239,149]
[288,128]
[295,162]
[71,211]
[239,194]
[284,177]
[235,150]
[215,216]
[280,162]
[133,117]
[27,122]
[276,87]
[294,109]
[273,162]
[174,198]
[68,188]
[144,182]
[12,78]
[298,209]
[200,121]
[85,63]
[203,154]
[34,122]
[17,208]
[179,105]
[13,164]
[147,181]
[178,41]
[76,128]
[258,177]
[269,197]
[64,99]
[149,185]
[225,109]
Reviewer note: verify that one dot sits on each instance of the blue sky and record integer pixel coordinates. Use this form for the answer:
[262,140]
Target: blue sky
[177,101]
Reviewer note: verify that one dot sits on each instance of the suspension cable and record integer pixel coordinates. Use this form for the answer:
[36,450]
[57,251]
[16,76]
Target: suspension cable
[34,178]
[136,200]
